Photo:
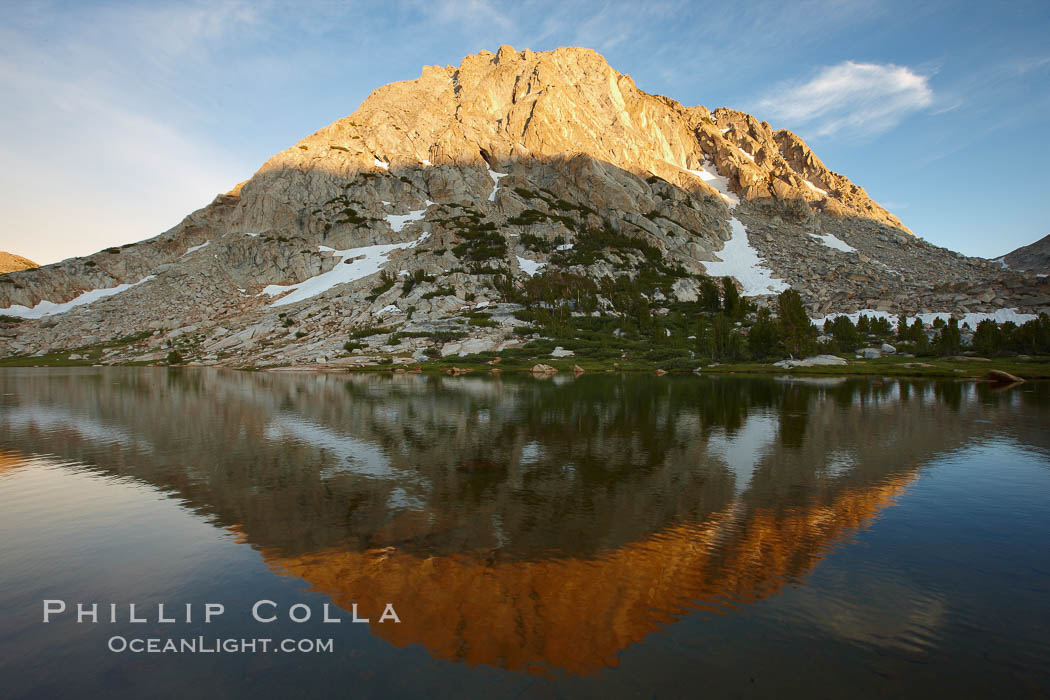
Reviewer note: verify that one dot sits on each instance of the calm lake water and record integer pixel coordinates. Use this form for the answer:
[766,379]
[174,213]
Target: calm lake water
[600,537]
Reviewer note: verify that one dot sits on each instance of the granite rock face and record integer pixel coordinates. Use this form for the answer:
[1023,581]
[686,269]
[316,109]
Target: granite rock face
[1033,258]
[399,216]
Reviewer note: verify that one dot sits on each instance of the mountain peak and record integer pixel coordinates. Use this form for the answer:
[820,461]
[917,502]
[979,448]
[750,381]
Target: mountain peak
[499,180]
[514,105]
[12,263]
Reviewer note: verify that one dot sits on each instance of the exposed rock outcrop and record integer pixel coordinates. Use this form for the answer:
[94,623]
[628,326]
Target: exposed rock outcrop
[1034,257]
[12,263]
[509,165]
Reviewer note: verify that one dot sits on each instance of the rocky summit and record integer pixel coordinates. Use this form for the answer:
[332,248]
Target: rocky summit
[12,263]
[411,226]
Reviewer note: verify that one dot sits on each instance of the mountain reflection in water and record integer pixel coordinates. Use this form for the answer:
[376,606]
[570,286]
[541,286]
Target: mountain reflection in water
[527,524]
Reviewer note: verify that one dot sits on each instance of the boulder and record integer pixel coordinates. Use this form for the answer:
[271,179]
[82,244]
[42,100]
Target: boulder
[562,352]
[829,360]
[476,345]
[869,353]
[542,369]
[998,376]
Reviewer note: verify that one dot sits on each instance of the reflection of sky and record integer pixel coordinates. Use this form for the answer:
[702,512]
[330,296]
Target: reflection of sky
[886,610]
[959,560]
[962,553]
[72,534]
[744,449]
[58,517]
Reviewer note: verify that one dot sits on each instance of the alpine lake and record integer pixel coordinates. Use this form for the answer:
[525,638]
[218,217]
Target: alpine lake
[602,536]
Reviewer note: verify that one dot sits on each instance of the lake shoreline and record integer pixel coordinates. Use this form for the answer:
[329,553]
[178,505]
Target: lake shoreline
[932,368]
[967,367]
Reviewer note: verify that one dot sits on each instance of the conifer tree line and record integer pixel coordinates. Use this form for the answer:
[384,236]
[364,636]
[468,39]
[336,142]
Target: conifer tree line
[638,317]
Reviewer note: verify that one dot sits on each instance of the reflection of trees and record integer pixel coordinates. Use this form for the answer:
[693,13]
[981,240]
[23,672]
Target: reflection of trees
[793,406]
[515,522]
[950,393]
[519,468]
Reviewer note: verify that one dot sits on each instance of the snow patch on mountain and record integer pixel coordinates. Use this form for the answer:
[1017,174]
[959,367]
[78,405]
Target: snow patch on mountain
[855,316]
[834,243]
[529,267]
[741,261]
[710,175]
[195,248]
[50,308]
[970,319]
[816,189]
[495,183]
[354,264]
[399,221]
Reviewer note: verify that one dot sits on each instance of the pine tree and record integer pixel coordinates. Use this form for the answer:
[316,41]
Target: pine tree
[731,298]
[845,334]
[797,333]
[988,338]
[922,341]
[949,340]
[762,340]
[880,327]
[723,342]
[709,300]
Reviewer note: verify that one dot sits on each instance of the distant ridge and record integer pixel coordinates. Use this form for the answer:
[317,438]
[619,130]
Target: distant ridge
[1034,257]
[9,262]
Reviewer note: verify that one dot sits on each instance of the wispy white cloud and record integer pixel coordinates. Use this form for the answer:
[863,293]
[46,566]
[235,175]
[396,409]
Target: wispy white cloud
[121,116]
[851,99]
[104,156]
[467,12]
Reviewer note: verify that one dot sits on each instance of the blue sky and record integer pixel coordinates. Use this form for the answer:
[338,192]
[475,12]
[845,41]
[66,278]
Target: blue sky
[120,118]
